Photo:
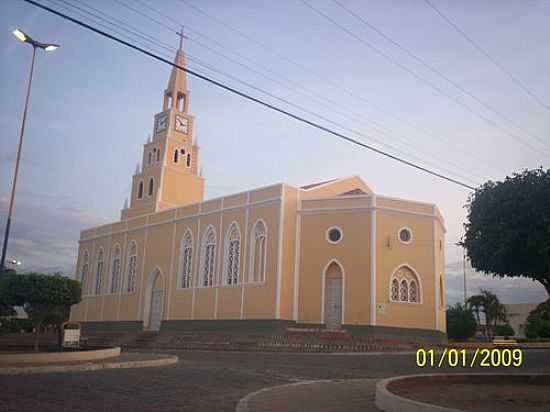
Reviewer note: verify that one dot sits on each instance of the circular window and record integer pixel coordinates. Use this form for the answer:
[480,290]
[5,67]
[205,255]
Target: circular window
[405,235]
[334,234]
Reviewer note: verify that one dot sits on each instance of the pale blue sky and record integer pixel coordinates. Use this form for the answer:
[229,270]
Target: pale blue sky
[93,103]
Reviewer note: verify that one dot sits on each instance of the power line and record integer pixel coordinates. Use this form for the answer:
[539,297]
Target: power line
[417,76]
[117,23]
[488,56]
[251,98]
[439,73]
[358,118]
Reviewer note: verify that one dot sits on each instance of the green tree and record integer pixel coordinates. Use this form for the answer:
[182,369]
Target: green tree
[493,311]
[507,232]
[504,330]
[43,297]
[538,322]
[461,324]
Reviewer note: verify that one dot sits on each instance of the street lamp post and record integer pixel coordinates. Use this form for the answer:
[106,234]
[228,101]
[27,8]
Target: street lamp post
[47,47]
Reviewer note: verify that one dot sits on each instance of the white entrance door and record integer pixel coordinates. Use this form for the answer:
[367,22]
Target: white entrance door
[156,310]
[333,304]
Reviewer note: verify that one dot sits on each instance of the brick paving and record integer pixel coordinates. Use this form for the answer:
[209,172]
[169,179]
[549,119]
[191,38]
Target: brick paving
[207,381]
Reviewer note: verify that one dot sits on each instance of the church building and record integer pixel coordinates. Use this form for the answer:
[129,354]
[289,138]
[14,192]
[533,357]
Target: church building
[331,254]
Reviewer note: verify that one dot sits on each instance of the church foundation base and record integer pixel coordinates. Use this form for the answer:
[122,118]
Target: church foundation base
[395,333]
[229,326]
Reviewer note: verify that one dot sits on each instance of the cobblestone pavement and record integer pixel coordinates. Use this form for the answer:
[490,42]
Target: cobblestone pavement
[207,381]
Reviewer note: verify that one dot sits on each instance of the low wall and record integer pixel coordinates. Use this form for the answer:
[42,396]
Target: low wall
[413,335]
[28,358]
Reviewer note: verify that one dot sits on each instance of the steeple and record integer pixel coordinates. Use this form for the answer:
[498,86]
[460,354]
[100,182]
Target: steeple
[176,92]
[169,175]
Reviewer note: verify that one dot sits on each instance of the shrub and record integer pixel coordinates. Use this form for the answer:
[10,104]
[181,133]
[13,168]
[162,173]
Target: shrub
[461,324]
[504,330]
[538,322]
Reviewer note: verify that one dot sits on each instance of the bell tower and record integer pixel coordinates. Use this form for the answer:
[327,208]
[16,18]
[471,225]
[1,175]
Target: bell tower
[168,175]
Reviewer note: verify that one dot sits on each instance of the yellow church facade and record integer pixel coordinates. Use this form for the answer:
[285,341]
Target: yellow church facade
[330,255]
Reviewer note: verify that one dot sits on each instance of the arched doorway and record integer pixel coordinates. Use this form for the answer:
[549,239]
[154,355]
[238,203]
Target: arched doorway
[154,301]
[333,295]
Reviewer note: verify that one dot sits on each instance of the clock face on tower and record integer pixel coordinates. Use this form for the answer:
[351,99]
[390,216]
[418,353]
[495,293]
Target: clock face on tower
[181,124]
[162,122]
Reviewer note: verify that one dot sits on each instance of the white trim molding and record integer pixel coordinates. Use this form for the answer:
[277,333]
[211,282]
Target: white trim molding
[402,228]
[373,261]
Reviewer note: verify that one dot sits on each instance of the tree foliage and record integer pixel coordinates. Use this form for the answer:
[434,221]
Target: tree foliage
[45,298]
[488,304]
[508,227]
[461,324]
[538,321]
[504,330]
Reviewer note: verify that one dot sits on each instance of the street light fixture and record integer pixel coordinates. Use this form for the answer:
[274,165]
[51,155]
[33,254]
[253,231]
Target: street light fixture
[25,38]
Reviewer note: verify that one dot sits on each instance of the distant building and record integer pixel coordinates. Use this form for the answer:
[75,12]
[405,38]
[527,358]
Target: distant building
[330,254]
[517,314]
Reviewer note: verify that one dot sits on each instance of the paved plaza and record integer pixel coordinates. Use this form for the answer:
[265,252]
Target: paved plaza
[216,381]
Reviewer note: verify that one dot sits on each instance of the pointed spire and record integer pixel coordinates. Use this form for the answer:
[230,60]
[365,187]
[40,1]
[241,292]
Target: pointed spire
[149,138]
[178,77]
[137,168]
[126,203]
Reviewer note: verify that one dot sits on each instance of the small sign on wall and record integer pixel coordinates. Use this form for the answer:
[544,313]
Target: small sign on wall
[381,308]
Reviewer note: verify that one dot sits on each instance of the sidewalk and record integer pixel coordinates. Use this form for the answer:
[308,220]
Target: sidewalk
[317,396]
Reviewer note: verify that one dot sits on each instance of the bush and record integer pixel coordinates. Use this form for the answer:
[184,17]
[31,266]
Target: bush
[461,324]
[504,330]
[538,322]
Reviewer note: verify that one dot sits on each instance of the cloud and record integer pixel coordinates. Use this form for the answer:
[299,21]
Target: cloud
[509,290]
[45,237]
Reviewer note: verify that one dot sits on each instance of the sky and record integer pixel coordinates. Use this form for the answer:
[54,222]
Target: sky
[395,75]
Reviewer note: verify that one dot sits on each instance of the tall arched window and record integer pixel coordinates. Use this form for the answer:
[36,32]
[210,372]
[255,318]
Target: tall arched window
[84,269]
[413,292]
[151,187]
[186,256]
[158,155]
[176,154]
[441,292]
[99,272]
[188,160]
[395,290]
[208,257]
[132,262]
[232,254]
[258,252]
[149,158]
[404,291]
[140,190]
[115,270]
[405,286]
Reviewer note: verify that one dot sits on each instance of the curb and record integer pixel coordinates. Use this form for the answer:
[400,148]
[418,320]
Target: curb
[390,402]
[57,357]
[28,370]
[242,405]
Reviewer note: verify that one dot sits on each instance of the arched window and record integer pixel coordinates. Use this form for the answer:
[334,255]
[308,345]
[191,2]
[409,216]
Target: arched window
[99,272]
[149,158]
[158,155]
[84,269]
[186,256]
[151,187]
[405,286]
[395,290]
[232,254]
[258,252]
[115,270]
[413,292]
[208,257]
[188,160]
[132,262]
[404,291]
[176,154]
[140,190]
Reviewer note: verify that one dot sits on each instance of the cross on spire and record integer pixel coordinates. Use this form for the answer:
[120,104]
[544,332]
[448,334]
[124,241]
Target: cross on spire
[181,36]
